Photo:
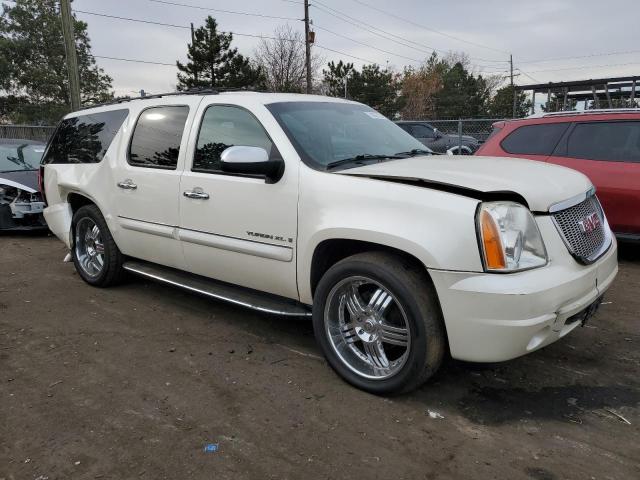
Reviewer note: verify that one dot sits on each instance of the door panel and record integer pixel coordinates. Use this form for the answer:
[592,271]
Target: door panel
[245,232]
[147,182]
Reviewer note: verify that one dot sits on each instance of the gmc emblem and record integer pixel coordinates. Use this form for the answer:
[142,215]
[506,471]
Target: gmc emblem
[589,223]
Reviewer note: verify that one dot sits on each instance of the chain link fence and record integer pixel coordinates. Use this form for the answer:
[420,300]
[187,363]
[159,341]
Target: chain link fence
[478,128]
[26,132]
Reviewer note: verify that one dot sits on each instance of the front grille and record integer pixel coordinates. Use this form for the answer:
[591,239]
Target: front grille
[586,246]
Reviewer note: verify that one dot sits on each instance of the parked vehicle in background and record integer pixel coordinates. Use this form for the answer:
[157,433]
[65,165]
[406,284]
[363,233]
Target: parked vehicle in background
[437,141]
[21,204]
[314,206]
[602,144]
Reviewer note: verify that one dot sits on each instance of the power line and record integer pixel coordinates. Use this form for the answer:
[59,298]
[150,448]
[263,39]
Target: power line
[365,44]
[582,56]
[585,66]
[431,29]
[343,53]
[382,33]
[232,12]
[136,60]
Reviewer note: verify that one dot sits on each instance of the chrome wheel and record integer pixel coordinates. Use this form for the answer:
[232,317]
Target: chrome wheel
[367,328]
[89,247]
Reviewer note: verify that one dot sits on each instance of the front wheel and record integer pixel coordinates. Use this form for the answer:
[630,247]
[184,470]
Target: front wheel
[378,322]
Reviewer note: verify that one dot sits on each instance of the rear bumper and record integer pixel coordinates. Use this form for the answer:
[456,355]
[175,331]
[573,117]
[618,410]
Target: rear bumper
[493,317]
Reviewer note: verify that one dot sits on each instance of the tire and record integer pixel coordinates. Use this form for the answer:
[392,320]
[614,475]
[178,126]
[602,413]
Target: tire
[395,306]
[95,254]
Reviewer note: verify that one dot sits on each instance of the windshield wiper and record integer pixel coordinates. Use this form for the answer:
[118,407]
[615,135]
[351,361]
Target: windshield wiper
[360,158]
[416,151]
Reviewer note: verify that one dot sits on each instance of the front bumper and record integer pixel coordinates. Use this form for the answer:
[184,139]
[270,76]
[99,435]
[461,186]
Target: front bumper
[27,221]
[495,317]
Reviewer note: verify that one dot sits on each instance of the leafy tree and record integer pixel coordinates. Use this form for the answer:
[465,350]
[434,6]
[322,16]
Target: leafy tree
[34,86]
[501,105]
[214,64]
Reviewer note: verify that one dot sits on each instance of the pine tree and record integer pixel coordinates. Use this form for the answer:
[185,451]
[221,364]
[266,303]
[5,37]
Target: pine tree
[214,64]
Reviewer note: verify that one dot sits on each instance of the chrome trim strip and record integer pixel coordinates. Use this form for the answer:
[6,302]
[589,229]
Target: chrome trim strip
[210,294]
[563,205]
[232,244]
[147,227]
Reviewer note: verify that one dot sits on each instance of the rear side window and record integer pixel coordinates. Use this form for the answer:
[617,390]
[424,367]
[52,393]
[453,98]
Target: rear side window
[155,142]
[534,139]
[607,141]
[223,127]
[85,138]
[422,131]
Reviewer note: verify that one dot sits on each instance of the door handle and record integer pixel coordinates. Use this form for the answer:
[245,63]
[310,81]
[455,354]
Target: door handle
[127,184]
[196,193]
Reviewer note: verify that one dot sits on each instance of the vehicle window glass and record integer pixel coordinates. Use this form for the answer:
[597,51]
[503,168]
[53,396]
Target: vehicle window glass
[157,135]
[422,131]
[325,132]
[226,126]
[20,155]
[607,141]
[538,139]
[85,138]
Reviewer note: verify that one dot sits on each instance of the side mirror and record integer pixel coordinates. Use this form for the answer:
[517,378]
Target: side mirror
[252,161]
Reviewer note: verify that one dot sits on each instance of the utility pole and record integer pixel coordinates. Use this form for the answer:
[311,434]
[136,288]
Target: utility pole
[513,90]
[70,52]
[307,44]
[193,43]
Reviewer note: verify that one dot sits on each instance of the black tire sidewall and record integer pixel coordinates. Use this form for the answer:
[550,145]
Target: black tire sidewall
[415,363]
[110,257]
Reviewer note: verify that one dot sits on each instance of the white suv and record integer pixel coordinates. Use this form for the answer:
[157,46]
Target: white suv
[315,206]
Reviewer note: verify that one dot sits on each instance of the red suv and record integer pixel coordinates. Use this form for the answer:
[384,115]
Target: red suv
[602,144]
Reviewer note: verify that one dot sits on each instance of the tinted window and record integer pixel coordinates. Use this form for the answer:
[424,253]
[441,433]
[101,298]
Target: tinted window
[422,131]
[86,138]
[223,127]
[534,139]
[157,136]
[609,141]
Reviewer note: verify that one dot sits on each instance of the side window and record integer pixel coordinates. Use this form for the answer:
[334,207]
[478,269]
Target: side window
[85,138]
[607,141]
[534,139]
[422,131]
[156,137]
[222,127]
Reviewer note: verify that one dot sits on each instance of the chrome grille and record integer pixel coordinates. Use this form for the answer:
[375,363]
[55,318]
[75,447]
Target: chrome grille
[586,246]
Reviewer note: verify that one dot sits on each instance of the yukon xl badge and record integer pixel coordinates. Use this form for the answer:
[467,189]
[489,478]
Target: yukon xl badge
[267,236]
[589,223]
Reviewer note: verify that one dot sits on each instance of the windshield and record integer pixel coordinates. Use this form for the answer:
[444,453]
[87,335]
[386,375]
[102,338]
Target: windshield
[16,156]
[325,133]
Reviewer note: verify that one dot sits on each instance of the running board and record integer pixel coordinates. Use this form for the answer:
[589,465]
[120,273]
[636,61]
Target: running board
[262,302]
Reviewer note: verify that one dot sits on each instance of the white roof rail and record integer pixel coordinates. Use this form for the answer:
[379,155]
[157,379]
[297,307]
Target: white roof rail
[585,112]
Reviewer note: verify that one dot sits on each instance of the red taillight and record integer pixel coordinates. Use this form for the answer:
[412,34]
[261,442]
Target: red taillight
[41,183]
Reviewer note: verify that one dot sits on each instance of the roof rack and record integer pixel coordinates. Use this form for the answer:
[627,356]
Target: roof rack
[190,91]
[584,112]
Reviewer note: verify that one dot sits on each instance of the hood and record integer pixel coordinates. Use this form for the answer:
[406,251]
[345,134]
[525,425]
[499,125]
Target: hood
[23,179]
[539,184]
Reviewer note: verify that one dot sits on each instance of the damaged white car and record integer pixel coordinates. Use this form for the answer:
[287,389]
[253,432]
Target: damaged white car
[314,206]
[21,203]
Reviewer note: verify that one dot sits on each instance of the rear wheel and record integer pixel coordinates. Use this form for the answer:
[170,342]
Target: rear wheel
[378,322]
[95,254]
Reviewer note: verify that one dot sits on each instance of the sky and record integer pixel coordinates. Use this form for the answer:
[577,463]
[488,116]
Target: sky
[602,41]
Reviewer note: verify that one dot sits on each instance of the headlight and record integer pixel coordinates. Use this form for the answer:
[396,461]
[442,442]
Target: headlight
[509,237]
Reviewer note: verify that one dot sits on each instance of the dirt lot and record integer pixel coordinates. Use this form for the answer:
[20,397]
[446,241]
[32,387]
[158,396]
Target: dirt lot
[134,381]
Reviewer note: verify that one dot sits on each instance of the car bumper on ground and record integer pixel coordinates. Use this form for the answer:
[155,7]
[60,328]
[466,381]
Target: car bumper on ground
[497,317]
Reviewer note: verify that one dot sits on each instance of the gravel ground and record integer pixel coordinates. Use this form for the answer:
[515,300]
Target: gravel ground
[134,381]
